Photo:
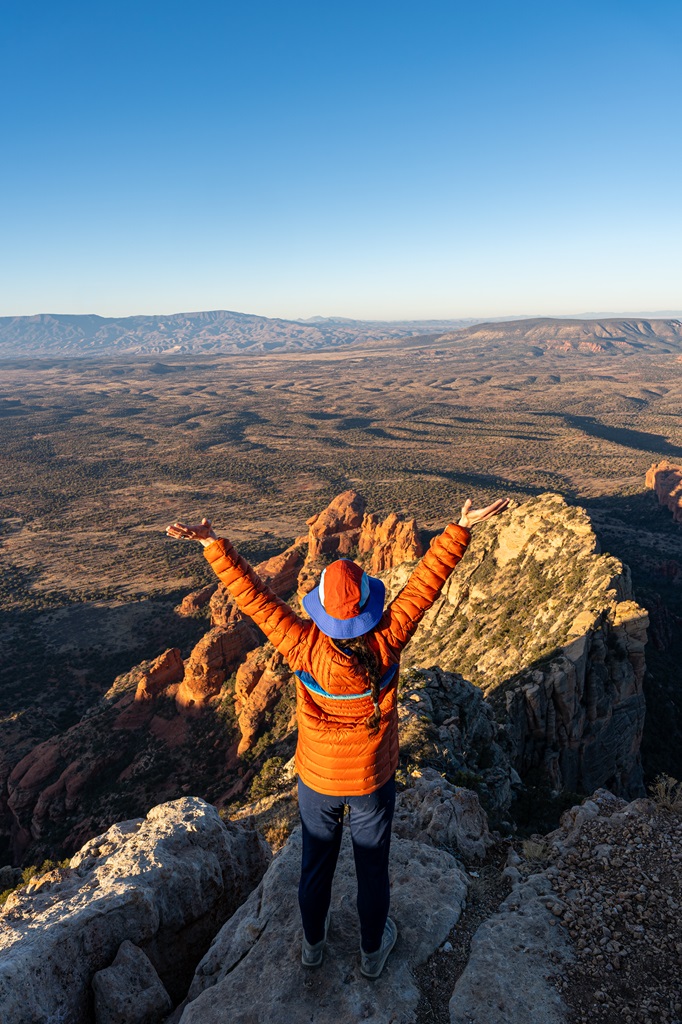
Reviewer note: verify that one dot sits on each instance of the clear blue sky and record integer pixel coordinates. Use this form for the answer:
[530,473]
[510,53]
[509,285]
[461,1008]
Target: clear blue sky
[366,159]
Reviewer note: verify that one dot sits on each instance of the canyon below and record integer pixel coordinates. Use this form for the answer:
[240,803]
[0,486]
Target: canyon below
[147,729]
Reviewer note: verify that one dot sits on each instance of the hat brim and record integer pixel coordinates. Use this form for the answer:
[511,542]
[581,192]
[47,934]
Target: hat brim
[346,629]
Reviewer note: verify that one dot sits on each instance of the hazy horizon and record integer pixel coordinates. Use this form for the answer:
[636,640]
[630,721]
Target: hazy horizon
[662,314]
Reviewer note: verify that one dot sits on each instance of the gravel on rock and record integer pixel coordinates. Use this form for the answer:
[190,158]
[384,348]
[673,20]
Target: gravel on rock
[618,885]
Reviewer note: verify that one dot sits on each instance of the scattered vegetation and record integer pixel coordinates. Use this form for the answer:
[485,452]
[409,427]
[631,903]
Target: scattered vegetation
[667,792]
[536,852]
[261,448]
[34,871]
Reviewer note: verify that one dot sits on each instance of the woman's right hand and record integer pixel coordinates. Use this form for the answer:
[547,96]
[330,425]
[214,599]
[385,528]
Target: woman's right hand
[203,532]
[472,516]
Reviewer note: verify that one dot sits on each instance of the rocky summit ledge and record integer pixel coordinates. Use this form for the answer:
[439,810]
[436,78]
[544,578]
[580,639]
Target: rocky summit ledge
[591,930]
[263,941]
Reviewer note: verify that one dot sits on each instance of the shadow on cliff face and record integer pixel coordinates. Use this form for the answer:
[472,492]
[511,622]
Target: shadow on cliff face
[642,534]
[574,719]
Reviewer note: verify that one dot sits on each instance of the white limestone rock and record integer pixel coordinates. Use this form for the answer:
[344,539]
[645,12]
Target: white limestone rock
[165,882]
[433,811]
[514,955]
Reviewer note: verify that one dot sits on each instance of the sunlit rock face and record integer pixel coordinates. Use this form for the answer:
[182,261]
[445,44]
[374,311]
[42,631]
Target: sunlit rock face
[665,480]
[547,628]
[536,642]
[389,543]
[211,662]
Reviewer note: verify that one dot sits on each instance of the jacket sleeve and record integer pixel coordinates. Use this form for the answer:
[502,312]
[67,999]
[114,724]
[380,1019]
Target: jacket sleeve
[282,626]
[405,612]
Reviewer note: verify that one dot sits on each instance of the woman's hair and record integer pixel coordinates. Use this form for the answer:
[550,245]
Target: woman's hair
[370,662]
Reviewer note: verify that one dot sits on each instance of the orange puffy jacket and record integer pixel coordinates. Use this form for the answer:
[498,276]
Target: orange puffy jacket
[336,755]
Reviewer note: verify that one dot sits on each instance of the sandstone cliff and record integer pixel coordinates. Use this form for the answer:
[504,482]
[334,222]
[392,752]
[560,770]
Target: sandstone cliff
[666,482]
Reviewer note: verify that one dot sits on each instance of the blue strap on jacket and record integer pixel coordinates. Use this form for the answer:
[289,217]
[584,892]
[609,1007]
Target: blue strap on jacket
[313,686]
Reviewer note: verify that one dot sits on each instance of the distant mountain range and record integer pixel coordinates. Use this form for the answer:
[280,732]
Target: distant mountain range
[57,334]
[220,331]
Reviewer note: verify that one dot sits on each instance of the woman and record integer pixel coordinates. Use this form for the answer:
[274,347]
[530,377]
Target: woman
[346,659]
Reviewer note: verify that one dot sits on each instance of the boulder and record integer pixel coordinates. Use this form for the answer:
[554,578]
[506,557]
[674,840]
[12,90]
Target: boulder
[432,811]
[253,972]
[130,991]
[165,883]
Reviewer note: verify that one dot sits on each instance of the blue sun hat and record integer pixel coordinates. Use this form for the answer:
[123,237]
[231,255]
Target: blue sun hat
[347,602]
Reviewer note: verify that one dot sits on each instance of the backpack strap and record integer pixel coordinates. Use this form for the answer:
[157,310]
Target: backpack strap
[313,686]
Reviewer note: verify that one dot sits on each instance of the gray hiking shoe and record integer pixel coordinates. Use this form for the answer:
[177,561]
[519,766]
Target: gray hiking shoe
[312,954]
[372,964]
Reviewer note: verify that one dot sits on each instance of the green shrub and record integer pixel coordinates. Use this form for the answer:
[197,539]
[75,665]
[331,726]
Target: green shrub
[269,780]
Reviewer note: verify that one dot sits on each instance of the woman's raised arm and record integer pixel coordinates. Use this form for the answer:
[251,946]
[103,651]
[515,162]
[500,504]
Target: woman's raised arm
[280,623]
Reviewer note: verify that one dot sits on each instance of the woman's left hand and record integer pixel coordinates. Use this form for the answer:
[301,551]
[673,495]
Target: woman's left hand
[203,532]
[471,516]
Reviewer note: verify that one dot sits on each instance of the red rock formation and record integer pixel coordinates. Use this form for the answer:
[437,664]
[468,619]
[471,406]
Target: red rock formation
[248,674]
[266,684]
[281,571]
[309,577]
[390,542]
[211,661]
[197,600]
[666,482]
[164,671]
[334,533]
[336,530]
[46,785]
[223,609]
[42,766]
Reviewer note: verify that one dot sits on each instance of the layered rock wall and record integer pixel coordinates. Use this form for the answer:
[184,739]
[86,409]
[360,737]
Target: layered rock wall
[389,543]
